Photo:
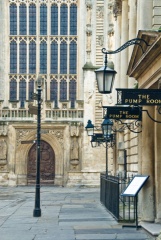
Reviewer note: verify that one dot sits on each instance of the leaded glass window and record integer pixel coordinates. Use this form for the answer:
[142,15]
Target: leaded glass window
[31,90]
[54,58]
[22,92]
[43,19]
[13,90]
[63,58]
[32,19]
[54,19]
[63,90]
[54,92]
[22,19]
[13,19]
[73,58]
[22,57]
[73,19]
[32,57]
[63,19]
[72,92]
[43,57]
[13,57]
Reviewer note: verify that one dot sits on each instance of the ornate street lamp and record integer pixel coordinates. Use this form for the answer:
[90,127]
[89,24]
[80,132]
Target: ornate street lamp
[90,128]
[105,76]
[37,209]
[100,138]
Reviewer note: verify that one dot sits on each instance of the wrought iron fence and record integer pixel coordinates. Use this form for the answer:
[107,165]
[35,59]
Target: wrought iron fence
[122,208]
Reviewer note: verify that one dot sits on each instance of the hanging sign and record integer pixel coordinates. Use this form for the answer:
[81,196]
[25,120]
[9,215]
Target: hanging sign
[120,112]
[142,97]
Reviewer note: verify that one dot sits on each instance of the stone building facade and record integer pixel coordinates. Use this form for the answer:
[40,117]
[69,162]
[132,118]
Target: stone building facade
[61,42]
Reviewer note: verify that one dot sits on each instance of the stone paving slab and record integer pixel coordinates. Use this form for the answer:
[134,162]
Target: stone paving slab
[67,214]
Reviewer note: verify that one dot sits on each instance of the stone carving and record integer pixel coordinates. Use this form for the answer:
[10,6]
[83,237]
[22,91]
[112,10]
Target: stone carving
[88,96]
[21,134]
[74,153]
[117,8]
[89,11]
[3,150]
[58,134]
[74,131]
[3,130]
[89,33]
[100,12]
[100,40]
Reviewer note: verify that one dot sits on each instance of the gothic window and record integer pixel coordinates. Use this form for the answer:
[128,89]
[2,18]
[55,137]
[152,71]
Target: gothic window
[72,92]
[22,19]
[54,58]
[43,19]
[73,19]
[31,89]
[32,57]
[73,58]
[13,90]
[63,90]
[43,57]
[32,19]
[22,57]
[63,58]
[54,92]
[63,19]
[54,19]
[13,57]
[34,50]
[22,92]
[13,19]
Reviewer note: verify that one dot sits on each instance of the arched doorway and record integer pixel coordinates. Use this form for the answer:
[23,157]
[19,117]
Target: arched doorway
[47,164]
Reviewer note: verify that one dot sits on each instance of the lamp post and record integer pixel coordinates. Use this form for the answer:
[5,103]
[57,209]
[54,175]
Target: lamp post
[100,138]
[37,209]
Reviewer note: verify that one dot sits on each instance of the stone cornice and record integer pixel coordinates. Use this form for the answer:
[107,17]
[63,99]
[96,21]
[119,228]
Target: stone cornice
[141,61]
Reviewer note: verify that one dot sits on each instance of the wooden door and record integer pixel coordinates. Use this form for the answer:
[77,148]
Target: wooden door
[47,164]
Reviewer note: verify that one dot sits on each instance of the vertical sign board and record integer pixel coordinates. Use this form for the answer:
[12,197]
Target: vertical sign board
[135,186]
[142,97]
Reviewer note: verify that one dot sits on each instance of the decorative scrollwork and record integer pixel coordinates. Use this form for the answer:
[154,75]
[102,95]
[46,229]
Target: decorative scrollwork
[135,41]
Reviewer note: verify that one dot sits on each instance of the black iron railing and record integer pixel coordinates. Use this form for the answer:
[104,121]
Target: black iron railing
[122,208]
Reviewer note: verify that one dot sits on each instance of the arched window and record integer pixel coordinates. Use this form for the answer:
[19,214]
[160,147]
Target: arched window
[54,92]
[22,57]
[43,57]
[43,19]
[72,92]
[73,58]
[13,90]
[32,57]
[54,58]
[32,19]
[63,58]
[13,19]
[54,19]
[13,57]
[22,19]
[63,90]
[63,19]
[31,89]
[73,19]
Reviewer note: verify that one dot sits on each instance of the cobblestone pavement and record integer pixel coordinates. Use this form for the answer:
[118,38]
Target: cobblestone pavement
[67,214]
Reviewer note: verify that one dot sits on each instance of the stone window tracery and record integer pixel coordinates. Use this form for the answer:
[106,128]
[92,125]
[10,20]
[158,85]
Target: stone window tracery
[43,39]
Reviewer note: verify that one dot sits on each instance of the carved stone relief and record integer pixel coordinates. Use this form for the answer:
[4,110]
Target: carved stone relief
[3,152]
[59,135]
[21,134]
[117,8]
[100,12]
[74,154]
[88,28]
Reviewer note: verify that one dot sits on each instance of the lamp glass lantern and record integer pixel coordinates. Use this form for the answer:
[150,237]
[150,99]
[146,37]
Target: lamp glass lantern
[105,79]
[90,128]
[107,127]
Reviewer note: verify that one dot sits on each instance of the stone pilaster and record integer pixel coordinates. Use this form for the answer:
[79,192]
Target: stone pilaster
[146,196]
